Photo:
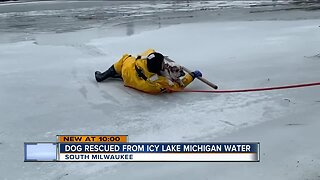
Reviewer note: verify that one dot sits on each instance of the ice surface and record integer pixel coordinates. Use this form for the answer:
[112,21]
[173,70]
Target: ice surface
[48,88]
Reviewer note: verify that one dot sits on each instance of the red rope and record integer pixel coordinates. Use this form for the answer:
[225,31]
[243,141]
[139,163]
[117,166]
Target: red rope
[253,89]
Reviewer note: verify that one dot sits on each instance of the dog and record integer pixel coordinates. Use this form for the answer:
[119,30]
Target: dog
[173,73]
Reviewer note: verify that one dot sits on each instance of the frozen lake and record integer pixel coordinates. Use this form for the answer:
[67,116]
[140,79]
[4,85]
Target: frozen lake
[49,51]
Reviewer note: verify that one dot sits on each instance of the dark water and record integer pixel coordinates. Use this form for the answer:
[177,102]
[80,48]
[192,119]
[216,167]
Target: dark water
[65,16]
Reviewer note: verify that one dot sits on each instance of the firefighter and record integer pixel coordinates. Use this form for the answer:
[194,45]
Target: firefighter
[143,73]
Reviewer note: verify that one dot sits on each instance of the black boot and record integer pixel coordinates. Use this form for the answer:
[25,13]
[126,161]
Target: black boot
[111,72]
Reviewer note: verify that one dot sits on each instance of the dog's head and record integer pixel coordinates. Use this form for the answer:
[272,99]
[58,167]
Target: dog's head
[175,71]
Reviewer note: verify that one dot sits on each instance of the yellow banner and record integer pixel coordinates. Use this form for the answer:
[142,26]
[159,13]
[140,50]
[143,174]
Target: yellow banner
[93,138]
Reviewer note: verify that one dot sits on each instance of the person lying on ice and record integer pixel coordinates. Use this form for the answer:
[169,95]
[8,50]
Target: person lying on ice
[147,73]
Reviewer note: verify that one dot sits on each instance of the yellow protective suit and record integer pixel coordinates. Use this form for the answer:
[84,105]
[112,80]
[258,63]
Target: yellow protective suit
[127,67]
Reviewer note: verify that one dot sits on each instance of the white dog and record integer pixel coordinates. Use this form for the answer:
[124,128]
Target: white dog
[173,73]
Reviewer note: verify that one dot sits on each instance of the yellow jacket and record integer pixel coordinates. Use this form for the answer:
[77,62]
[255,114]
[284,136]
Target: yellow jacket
[128,67]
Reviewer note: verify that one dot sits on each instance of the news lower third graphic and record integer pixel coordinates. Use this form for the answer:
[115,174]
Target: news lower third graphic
[116,148]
